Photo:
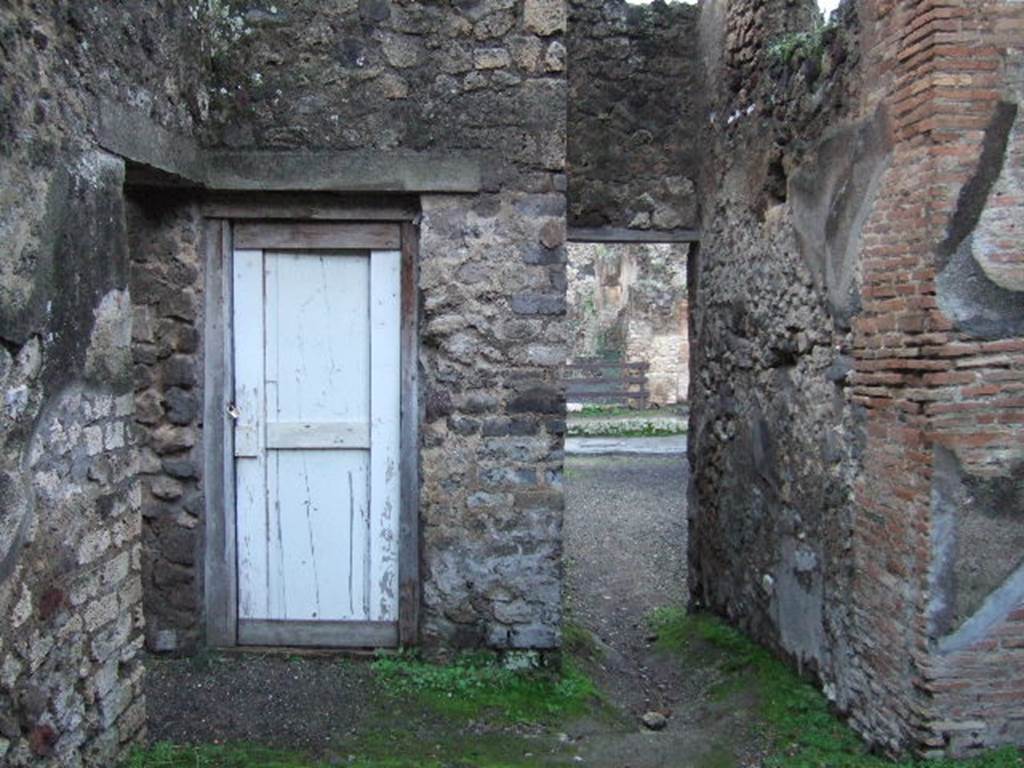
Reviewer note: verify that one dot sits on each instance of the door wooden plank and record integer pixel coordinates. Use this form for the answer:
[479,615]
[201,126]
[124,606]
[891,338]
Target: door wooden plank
[318,371]
[351,634]
[321,435]
[318,318]
[317,235]
[220,569]
[250,462]
[385,478]
[248,328]
[322,503]
[408,540]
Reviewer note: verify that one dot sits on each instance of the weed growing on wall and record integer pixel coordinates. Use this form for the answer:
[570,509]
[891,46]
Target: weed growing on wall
[802,45]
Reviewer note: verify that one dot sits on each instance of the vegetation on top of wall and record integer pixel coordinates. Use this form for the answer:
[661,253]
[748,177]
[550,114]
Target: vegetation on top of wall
[798,46]
[797,720]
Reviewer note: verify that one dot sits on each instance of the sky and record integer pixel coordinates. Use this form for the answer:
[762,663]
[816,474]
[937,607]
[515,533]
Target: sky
[826,6]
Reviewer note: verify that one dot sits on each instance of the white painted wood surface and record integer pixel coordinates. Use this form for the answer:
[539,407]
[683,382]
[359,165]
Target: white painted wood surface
[312,434]
[385,480]
[250,459]
[317,473]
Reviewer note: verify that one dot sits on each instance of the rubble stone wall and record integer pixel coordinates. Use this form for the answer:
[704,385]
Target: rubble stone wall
[635,111]
[856,419]
[486,80]
[70,533]
[166,280]
[629,302]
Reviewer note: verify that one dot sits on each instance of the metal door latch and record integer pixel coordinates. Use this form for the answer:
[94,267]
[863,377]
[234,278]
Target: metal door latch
[233,411]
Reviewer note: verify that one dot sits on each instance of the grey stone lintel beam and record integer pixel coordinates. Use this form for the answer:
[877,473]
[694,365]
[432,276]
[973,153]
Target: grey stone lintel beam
[624,235]
[160,157]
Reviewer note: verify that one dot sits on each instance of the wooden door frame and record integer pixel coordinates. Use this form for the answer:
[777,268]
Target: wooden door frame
[364,223]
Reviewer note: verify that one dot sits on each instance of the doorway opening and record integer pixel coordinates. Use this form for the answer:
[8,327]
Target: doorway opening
[626,470]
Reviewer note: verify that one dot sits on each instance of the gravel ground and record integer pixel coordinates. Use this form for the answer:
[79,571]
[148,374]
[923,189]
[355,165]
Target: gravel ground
[289,701]
[625,548]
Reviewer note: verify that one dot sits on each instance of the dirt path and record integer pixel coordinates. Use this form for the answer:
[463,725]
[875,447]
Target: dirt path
[625,548]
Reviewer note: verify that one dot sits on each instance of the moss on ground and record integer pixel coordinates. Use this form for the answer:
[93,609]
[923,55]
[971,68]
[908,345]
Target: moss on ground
[513,689]
[486,711]
[388,750]
[469,712]
[797,722]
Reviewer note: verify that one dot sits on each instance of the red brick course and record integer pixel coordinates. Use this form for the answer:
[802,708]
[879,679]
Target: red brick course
[939,67]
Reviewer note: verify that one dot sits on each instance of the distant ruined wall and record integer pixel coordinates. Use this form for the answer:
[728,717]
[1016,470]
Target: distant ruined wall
[70,557]
[856,413]
[635,94]
[629,302]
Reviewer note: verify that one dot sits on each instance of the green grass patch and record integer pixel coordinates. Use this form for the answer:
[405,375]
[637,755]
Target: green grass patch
[404,747]
[165,755]
[514,689]
[579,642]
[647,429]
[796,716]
[605,410]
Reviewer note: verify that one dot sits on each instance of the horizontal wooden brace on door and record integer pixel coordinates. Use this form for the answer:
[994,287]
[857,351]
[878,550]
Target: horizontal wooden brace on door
[317,235]
[324,634]
[312,435]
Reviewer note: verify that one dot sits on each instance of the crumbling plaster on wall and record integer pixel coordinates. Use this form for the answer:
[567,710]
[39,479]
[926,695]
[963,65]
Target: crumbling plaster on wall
[775,441]
[814,141]
[70,587]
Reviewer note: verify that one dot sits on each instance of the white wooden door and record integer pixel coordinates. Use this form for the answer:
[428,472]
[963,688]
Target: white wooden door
[316,399]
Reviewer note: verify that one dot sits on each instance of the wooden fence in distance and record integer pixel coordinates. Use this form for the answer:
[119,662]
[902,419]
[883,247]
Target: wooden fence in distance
[606,382]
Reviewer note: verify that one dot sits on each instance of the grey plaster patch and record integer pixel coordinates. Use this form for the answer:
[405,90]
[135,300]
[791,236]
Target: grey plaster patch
[966,293]
[798,603]
[832,194]
[109,355]
[993,611]
[977,540]
[974,194]
[15,501]
[24,286]
[978,306]
[947,496]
